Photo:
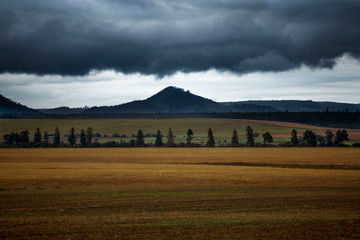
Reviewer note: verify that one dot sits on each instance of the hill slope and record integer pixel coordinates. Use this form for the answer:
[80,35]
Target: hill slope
[171,99]
[7,106]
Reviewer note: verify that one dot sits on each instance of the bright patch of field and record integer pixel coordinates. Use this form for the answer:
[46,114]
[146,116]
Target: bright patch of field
[168,193]
[222,128]
[317,156]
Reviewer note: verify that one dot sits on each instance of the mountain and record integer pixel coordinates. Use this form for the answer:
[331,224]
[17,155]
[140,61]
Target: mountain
[177,100]
[7,106]
[169,100]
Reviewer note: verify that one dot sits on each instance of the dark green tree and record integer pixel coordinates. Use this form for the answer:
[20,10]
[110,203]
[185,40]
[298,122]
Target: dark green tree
[37,137]
[249,137]
[83,139]
[89,135]
[170,138]
[267,138]
[189,137]
[211,140]
[158,140]
[329,138]
[310,138]
[57,137]
[46,139]
[140,138]
[11,139]
[294,139]
[234,138]
[72,137]
[24,138]
[340,137]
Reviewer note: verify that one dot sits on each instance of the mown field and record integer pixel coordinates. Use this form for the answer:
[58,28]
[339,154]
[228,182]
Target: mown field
[167,193]
[222,128]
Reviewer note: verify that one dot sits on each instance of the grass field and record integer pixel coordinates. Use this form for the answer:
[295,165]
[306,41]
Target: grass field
[222,128]
[166,193]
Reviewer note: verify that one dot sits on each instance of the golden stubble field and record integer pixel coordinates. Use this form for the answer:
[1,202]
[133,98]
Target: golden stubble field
[175,193]
[79,167]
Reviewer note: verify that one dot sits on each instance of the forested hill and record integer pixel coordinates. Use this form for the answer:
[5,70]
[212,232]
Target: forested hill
[176,100]
[170,99]
[7,106]
[300,106]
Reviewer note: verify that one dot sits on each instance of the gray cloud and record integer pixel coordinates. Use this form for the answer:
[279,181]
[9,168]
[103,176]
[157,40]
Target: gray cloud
[161,37]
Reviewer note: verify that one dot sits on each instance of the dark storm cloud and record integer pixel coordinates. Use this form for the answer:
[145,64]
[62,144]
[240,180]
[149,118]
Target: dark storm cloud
[161,37]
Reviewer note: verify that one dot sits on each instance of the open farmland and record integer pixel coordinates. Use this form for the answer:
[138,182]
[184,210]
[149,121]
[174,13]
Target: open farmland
[167,193]
[222,128]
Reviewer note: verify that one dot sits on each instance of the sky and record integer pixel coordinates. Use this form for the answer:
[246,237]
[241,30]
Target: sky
[107,52]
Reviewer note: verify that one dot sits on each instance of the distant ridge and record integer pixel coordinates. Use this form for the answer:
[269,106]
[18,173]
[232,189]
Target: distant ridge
[7,106]
[301,105]
[177,100]
[63,110]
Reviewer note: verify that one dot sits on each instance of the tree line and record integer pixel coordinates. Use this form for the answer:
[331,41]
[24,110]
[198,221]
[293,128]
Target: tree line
[86,139]
[331,119]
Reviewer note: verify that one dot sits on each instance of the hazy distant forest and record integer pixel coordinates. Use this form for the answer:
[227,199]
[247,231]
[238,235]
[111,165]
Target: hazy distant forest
[338,119]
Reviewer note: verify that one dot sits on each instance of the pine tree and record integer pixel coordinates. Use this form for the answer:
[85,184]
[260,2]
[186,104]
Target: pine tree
[189,137]
[72,137]
[24,138]
[89,135]
[140,138]
[329,138]
[46,139]
[235,138]
[340,137]
[83,138]
[158,140]
[250,137]
[267,138]
[310,138]
[294,138]
[57,137]
[37,137]
[170,138]
[211,140]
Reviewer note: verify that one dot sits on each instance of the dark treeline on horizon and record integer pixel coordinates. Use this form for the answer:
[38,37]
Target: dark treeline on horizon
[339,119]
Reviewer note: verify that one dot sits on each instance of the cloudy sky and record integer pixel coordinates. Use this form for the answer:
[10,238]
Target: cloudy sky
[107,52]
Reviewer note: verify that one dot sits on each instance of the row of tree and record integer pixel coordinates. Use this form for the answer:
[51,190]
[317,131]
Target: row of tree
[330,139]
[86,139]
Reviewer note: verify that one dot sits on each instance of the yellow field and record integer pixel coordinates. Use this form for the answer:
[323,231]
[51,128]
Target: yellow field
[32,168]
[171,193]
